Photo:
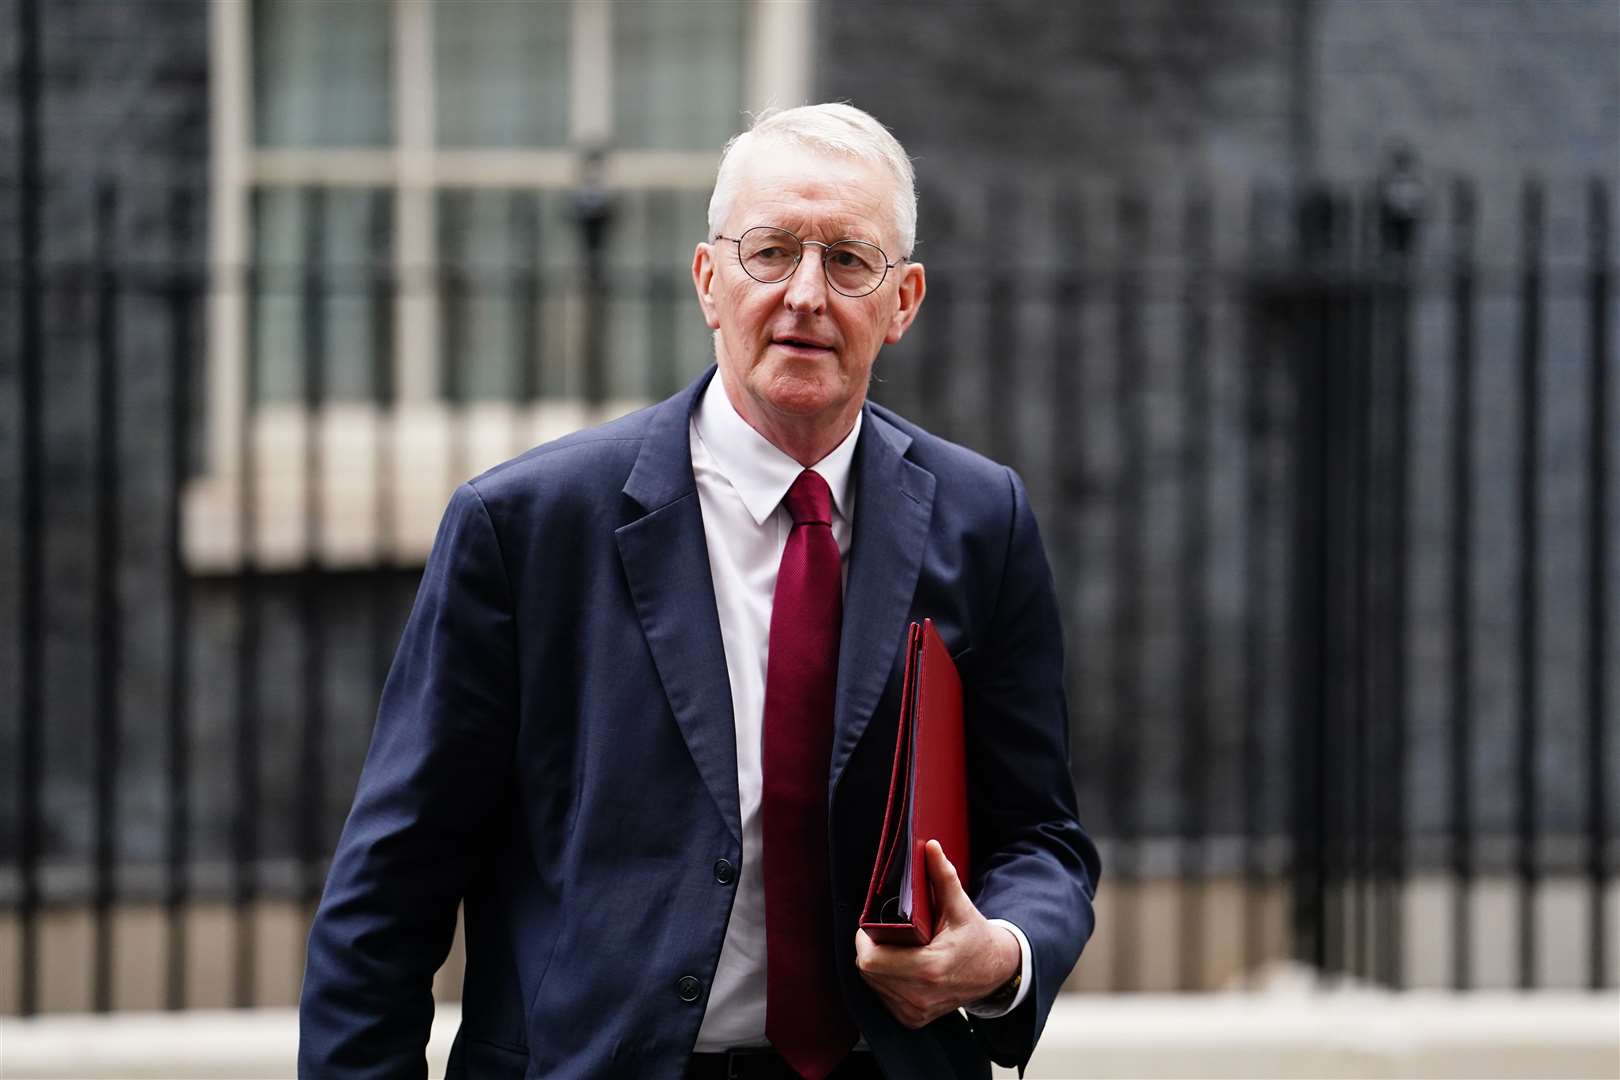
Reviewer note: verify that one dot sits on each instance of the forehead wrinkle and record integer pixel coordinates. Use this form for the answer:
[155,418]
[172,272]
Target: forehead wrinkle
[815,208]
[811,225]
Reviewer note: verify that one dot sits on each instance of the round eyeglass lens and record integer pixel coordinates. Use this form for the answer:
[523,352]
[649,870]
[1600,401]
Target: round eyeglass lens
[854,267]
[769,255]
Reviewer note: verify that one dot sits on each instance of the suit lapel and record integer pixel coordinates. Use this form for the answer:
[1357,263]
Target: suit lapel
[666,562]
[893,507]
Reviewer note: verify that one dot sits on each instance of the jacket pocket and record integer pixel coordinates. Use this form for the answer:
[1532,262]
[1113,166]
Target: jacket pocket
[474,1059]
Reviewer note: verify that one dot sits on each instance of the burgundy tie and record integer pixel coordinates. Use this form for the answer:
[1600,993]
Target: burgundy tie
[805,1018]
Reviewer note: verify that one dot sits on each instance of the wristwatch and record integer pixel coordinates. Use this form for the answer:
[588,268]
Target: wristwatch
[1001,999]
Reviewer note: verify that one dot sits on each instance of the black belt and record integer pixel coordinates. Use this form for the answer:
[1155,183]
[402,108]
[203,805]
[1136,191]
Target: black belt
[763,1063]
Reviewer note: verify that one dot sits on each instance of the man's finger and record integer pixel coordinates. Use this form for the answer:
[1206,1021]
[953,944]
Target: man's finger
[949,895]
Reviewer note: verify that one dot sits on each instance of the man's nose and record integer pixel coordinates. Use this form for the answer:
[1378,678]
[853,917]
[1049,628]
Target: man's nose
[807,288]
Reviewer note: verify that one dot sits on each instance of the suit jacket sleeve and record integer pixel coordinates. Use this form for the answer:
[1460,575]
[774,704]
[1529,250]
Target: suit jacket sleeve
[1039,869]
[438,765]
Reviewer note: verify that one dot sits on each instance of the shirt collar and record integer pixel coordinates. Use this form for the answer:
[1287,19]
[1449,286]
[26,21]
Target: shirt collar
[759,472]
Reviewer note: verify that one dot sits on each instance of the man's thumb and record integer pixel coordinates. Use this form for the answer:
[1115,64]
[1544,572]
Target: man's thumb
[949,896]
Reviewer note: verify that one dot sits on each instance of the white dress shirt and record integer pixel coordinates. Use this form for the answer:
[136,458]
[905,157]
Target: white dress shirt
[741,482]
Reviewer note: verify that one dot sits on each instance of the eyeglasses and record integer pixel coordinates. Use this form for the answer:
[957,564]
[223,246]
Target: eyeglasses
[852,267]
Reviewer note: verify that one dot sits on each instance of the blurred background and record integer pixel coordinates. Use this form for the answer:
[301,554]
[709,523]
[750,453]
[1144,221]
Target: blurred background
[1297,317]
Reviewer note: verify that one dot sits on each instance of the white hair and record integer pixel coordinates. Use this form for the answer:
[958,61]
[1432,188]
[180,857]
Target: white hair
[831,128]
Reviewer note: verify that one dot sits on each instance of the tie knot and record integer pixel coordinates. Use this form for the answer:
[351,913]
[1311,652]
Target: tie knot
[809,500]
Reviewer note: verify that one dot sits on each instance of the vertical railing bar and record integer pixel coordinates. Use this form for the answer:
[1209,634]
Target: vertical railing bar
[1597,709]
[1256,589]
[1129,542]
[316,285]
[1331,355]
[453,293]
[934,379]
[1360,292]
[664,357]
[1068,429]
[1529,594]
[1194,558]
[31,506]
[176,887]
[1462,585]
[244,887]
[380,287]
[526,358]
[1310,339]
[1394,848]
[594,214]
[1001,329]
[108,611]
[655,296]
[1379,299]
[383,287]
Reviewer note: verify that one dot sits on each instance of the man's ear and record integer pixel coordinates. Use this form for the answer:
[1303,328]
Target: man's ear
[913,286]
[703,281]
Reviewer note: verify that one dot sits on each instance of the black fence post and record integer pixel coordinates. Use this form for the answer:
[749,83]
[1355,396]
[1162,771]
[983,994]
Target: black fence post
[1598,293]
[1391,962]
[524,219]
[245,813]
[316,285]
[181,301]
[1529,593]
[1256,442]
[108,610]
[1196,452]
[31,505]
[664,296]
[1001,331]
[1130,541]
[382,290]
[1068,429]
[1341,317]
[935,379]
[1312,337]
[454,360]
[1461,678]
[594,208]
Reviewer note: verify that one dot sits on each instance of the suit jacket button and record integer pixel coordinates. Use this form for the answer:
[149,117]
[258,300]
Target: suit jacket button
[724,872]
[689,989]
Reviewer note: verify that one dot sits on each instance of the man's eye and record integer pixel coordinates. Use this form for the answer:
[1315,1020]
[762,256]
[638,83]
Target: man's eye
[848,260]
[771,253]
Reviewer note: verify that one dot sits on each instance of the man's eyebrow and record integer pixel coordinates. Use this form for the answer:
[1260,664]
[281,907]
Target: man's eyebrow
[837,231]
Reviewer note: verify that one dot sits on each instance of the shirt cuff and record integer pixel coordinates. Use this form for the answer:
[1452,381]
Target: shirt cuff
[974,1009]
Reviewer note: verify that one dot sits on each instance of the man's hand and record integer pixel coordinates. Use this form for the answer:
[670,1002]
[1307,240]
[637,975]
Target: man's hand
[967,959]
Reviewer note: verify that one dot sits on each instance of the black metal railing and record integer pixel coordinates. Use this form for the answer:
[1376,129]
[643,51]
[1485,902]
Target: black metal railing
[1275,444]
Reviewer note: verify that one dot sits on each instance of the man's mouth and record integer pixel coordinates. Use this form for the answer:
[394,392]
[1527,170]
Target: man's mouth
[801,343]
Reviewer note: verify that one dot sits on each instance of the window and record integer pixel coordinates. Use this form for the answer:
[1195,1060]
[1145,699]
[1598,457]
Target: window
[396,230]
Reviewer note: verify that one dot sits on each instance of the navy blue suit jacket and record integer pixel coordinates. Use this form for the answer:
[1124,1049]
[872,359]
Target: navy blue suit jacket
[554,748]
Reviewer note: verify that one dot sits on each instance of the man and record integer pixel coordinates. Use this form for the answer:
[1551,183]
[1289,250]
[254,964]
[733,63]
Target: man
[642,718]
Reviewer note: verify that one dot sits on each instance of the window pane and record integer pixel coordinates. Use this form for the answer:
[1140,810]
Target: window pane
[344,337]
[677,73]
[514,300]
[656,338]
[501,73]
[502,257]
[321,73]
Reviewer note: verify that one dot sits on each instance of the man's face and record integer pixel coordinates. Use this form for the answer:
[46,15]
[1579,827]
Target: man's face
[796,355]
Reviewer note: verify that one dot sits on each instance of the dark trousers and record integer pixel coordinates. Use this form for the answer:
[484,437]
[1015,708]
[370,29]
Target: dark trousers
[767,1064]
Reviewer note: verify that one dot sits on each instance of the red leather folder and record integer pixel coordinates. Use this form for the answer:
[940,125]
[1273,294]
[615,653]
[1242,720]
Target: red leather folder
[927,795]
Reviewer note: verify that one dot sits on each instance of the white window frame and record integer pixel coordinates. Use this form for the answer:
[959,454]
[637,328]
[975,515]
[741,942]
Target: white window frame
[425,435]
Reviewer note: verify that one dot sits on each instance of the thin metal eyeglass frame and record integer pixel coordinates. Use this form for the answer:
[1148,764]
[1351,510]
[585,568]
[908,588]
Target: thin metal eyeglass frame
[887,266]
